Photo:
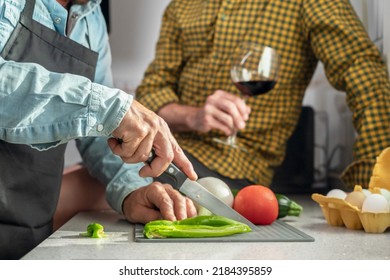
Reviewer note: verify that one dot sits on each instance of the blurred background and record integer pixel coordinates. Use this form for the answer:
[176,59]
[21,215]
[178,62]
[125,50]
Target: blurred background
[134,26]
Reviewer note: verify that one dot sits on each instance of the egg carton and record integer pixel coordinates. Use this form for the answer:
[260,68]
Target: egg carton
[339,212]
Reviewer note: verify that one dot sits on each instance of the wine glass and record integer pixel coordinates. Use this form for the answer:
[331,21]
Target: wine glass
[254,72]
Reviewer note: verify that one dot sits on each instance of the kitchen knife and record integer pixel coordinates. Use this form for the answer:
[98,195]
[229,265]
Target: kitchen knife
[201,195]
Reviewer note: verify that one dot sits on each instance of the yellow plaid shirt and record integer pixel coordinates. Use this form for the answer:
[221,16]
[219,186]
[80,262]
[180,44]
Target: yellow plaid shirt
[193,59]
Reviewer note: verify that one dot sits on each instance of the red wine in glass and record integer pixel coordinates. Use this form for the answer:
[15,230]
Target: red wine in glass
[254,88]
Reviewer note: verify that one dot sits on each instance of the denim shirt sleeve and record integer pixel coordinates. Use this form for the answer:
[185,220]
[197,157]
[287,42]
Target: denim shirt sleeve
[44,109]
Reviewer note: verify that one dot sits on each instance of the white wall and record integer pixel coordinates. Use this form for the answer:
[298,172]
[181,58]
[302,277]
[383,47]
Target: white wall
[135,28]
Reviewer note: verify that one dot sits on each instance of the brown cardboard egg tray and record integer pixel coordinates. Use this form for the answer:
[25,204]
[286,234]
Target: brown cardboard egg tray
[339,212]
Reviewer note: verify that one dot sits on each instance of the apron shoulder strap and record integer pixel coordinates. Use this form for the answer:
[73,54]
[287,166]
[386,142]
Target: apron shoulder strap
[27,13]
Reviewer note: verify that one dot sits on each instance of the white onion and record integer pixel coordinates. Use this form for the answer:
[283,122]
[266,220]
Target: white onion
[217,187]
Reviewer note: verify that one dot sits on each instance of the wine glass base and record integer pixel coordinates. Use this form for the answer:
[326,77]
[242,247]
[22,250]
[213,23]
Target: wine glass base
[229,142]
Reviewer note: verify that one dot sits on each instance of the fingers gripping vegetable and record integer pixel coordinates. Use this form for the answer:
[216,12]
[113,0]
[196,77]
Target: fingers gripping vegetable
[287,207]
[94,230]
[196,227]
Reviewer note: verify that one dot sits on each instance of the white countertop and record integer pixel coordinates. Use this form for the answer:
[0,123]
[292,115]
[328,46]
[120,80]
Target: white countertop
[331,243]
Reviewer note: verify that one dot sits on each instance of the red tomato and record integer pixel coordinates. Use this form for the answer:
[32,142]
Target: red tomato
[258,204]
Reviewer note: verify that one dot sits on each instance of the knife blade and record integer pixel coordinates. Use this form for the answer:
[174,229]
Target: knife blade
[201,195]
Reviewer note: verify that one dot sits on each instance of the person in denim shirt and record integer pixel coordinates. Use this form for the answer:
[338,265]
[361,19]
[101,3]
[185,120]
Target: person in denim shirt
[45,103]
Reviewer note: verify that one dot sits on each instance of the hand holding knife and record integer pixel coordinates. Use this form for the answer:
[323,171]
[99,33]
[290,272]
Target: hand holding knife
[200,195]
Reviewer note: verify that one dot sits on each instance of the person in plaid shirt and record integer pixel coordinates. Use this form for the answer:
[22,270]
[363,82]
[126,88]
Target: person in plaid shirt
[188,82]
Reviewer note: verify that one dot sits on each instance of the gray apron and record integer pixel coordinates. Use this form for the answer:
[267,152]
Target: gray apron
[30,180]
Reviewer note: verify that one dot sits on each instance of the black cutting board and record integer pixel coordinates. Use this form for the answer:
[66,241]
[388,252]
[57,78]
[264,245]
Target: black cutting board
[278,231]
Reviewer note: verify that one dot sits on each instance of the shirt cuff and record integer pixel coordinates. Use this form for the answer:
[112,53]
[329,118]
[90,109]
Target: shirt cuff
[124,182]
[107,110]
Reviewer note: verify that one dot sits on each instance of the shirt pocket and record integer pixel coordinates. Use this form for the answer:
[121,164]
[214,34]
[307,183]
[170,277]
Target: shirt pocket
[10,14]
[9,18]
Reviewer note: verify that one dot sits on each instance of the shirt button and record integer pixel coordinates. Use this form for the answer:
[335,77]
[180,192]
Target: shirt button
[57,20]
[100,127]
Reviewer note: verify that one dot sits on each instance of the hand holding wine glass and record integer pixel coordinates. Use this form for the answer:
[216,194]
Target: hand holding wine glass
[254,72]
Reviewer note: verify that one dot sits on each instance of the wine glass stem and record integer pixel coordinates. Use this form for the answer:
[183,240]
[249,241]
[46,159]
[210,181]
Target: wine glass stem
[232,139]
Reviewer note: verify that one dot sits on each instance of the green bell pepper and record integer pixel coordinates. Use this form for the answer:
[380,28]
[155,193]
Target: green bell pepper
[196,227]
[94,230]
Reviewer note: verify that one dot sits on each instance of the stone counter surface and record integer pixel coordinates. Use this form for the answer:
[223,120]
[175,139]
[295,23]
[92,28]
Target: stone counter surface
[331,243]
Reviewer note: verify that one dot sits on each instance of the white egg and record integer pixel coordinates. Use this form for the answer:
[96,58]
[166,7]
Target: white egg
[356,198]
[376,203]
[366,192]
[385,193]
[337,193]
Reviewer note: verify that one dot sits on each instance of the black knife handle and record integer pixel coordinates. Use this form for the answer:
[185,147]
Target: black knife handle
[151,157]
[172,171]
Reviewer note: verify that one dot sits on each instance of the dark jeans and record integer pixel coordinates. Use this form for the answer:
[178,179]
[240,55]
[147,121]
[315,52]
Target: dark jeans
[203,171]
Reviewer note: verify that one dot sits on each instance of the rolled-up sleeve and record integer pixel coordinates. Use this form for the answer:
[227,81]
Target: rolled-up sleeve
[353,64]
